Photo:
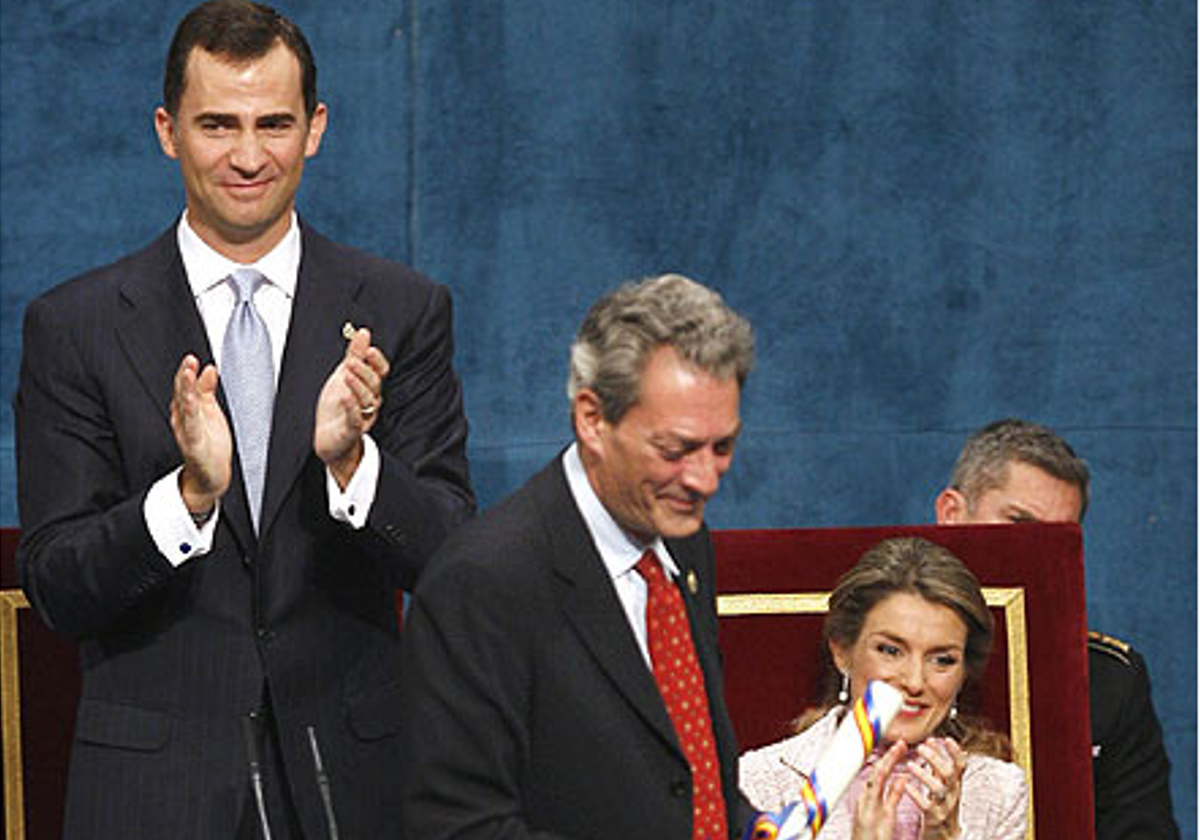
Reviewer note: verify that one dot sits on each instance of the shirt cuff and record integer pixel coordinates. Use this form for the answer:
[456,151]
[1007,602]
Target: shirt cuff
[171,526]
[352,505]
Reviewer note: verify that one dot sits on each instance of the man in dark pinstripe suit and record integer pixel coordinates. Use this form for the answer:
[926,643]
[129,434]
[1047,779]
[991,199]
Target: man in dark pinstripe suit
[220,627]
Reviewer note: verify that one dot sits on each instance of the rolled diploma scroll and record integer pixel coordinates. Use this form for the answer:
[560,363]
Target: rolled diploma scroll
[856,736]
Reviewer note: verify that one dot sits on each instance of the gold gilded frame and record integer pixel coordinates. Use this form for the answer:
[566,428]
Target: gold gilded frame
[11,600]
[1010,600]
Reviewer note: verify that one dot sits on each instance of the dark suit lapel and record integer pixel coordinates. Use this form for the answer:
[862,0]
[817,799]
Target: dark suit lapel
[591,605]
[159,326]
[325,300]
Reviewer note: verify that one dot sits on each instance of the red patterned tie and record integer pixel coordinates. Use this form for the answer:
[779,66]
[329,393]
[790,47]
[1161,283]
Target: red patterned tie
[681,683]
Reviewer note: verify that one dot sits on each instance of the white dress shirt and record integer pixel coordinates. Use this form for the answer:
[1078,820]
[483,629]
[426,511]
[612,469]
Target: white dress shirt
[171,526]
[619,551]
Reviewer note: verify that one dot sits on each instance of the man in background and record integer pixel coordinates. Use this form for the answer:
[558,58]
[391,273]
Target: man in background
[1014,471]
[233,447]
[561,673]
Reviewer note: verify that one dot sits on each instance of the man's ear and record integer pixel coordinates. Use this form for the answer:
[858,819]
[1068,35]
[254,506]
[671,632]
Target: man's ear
[951,507]
[588,417]
[316,129]
[164,127]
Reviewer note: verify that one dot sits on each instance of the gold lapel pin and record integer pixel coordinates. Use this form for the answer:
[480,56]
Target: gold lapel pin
[348,330]
[693,584]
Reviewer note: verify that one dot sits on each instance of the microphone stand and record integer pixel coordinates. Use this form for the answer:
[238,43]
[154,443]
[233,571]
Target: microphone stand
[250,729]
[323,784]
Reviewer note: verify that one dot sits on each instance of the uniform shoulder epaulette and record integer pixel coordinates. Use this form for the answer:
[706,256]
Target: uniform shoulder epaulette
[1109,644]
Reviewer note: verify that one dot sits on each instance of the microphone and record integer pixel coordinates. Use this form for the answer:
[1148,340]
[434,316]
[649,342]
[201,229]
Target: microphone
[250,730]
[323,783]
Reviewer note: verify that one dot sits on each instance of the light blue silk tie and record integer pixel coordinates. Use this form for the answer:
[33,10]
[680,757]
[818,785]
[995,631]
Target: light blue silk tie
[248,377]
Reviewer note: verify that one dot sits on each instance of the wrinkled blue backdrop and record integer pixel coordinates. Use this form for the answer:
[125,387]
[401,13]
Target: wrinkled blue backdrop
[934,213]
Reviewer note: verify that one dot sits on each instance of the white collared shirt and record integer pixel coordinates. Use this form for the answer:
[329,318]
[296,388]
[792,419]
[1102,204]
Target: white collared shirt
[166,515]
[207,274]
[618,550]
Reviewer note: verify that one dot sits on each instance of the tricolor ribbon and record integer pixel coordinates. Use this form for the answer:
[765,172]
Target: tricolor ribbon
[767,824]
[856,737]
[866,717]
[814,803]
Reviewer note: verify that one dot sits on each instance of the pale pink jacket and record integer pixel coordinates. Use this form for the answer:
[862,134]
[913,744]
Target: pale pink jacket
[994,800]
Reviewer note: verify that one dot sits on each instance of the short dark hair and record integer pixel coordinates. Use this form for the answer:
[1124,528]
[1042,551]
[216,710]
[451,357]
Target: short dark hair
[983,463]
[240,31]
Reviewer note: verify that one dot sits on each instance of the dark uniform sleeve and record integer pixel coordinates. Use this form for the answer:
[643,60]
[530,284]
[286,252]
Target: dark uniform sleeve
[1129,763]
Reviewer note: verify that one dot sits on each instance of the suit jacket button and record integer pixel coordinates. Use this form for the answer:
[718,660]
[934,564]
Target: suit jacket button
[396,535]
[265,635]
[681,787]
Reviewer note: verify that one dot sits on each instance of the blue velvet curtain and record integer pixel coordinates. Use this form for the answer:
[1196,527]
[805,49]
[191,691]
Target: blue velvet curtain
[934,213]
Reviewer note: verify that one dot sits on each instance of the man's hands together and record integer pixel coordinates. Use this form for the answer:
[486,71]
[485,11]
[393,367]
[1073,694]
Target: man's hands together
[347,409]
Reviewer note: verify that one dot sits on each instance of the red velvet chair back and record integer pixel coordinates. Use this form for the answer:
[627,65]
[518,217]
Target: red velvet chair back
[39,688]
[773,586]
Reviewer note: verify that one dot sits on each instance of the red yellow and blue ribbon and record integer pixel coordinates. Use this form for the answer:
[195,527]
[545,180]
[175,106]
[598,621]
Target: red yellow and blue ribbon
[815,803]
[767,825]
[866,716]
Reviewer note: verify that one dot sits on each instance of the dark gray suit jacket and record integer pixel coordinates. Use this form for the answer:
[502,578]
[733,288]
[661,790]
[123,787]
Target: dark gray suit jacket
[529,710]
[172,658]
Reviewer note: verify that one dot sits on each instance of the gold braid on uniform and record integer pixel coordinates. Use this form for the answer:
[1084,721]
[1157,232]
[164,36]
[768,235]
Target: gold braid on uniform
[1111,645]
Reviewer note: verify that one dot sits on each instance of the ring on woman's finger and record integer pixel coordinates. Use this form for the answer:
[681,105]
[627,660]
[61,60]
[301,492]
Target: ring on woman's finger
[368,411]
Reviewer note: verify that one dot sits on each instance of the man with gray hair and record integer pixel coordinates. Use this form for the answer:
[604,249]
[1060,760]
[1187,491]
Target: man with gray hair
[539,696]
[1017,471]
